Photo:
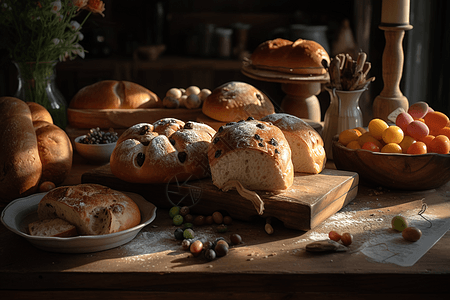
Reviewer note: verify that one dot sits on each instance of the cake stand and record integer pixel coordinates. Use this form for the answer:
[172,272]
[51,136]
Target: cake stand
[301,90]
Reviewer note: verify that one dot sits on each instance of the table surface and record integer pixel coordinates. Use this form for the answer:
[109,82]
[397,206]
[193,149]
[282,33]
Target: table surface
[264,266]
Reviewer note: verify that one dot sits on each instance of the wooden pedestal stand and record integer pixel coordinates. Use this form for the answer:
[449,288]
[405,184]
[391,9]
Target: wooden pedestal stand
[301,91]
[391,96]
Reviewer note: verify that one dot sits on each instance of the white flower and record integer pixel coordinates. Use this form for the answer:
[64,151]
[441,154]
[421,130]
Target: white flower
[80,36]
[74,25]
[56,6]
[79,50]
[55,41]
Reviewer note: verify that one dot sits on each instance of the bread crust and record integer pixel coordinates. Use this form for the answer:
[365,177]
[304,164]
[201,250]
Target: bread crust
[113,94]
[93,209]
[237,147]
[234,101]
[20,165]
[308,153]
[302,57]
[156,153]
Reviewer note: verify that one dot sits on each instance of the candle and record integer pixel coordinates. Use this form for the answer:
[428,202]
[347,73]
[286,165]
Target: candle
[395,12]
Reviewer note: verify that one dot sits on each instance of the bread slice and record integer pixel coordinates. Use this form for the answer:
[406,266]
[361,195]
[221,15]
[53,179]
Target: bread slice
[52,228]
[254,153]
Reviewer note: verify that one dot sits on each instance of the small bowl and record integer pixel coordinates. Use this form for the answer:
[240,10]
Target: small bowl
[98,153]
[393,171]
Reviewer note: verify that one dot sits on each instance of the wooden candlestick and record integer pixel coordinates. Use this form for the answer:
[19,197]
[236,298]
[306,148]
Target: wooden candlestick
[391,96]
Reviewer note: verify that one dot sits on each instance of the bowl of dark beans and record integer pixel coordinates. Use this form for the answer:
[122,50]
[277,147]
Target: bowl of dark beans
[97,145]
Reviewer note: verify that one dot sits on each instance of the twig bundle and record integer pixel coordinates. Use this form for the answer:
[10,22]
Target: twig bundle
[347,74]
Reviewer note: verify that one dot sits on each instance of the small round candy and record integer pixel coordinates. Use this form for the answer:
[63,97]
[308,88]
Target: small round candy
[188,233]
[196,247]
[221,249]
[217,217]
[235,239]
[177,220]
[210,254]
[399,223]
[347,239]
[411,234]
[334,236]
[178,234]
[175,210]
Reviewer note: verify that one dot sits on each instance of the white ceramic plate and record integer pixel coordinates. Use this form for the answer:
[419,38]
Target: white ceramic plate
[19,213]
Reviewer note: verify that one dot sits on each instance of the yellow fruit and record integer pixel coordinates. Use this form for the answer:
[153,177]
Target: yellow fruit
[406,142]
[349,135]
[392,134]
[392,148]
[376,128]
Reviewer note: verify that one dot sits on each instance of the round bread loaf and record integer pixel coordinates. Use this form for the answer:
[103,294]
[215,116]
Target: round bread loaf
[113,94]
[308,153]
[55,152]
[20,164]
[33,151]
[156,153]
[93,209]
[304,57]
[234,101]
[255,153]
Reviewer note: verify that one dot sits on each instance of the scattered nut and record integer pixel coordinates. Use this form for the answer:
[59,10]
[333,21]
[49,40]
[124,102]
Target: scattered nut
[412,234]
[192,90]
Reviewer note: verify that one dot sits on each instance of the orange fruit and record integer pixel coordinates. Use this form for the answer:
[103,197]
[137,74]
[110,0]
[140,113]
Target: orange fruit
[440,144]
[436,120]
[376,128]
[349,135]
[392,134]
[444,131]
[371,146]
[417,148]
[392,148]
[427,140]
[353,145]
[407,141]
[367,137]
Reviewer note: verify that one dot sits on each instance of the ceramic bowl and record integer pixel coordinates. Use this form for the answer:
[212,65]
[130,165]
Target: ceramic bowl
[98,153]
[393,171]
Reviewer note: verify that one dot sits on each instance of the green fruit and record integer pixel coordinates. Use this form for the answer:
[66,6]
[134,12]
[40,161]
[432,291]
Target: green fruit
[174,211]
[177,220]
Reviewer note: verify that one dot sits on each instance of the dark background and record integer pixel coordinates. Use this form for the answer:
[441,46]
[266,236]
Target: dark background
[112,42]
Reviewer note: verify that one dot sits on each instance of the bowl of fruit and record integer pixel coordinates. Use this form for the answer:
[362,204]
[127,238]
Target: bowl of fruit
[97,145]
[411,153]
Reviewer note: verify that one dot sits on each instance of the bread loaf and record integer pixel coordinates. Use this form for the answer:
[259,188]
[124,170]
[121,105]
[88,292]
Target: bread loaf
[156,153]
[20,164]
[308,153]
[93,209]
[34,149]
[234,101]
[255,153]
[55,152]
[52,228]
[113,94]
[304,57]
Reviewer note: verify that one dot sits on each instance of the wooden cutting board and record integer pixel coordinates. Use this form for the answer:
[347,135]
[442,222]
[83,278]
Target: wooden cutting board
[310,200]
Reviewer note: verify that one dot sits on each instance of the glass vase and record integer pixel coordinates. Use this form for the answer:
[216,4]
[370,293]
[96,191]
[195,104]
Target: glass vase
[37,84]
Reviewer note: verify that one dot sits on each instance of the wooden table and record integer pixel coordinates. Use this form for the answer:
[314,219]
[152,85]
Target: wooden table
[154,266]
